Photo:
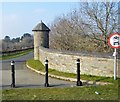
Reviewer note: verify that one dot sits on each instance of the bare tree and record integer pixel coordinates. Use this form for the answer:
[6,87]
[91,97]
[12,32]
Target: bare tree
[99,20]
[90,25]
[63,34]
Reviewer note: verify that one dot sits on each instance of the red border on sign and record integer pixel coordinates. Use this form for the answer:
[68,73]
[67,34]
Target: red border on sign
[110,37]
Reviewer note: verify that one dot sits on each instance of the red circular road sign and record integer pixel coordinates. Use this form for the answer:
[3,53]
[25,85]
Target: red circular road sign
[114,40]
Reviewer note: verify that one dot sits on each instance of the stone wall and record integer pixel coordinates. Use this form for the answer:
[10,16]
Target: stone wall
[37,43]
[40,39]
[66,62]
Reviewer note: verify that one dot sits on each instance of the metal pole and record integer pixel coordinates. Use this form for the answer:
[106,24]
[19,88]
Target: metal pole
[13,74]
[46,73]
[115,63]
[79,83]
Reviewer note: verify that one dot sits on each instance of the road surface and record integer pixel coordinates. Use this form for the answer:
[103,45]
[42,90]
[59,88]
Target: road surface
[25,78]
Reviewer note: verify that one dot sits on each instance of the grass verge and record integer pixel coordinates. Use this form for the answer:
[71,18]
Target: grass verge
[73,93]
[14,55]
[40,67]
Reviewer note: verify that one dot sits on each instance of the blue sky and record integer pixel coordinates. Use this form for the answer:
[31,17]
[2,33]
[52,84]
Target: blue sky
[21,17]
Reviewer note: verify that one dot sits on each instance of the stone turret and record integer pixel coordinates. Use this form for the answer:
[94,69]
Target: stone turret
[41,38]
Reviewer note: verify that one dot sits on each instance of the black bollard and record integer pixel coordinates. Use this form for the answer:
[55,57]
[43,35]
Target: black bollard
[13,74]
[79,83]
[46,73]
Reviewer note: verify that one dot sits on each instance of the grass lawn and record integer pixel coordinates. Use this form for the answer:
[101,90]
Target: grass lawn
[14,55]
[106,92]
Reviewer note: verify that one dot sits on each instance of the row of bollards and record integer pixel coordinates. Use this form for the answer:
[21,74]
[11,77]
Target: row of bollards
[79,83]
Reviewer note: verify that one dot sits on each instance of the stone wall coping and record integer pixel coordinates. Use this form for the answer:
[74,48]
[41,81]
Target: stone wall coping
[83,54]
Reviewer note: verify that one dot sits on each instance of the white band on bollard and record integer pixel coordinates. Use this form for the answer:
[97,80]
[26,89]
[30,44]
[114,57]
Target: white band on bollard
[77,62]
[12,64]
[46,62]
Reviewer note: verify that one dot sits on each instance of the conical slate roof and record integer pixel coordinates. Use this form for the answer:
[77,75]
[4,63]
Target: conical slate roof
[41,27]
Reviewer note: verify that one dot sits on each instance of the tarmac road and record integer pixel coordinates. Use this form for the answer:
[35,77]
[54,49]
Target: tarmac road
[25,78]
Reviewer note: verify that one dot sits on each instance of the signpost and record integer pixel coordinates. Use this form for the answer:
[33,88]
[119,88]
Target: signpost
[114,42]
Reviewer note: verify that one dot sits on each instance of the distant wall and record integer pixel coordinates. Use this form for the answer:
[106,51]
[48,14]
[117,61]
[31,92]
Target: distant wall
[66,62]
[14,51]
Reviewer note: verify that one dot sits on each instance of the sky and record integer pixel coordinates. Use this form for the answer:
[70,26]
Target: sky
[21,17]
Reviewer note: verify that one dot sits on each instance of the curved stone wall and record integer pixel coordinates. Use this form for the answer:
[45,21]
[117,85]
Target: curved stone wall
[66,62]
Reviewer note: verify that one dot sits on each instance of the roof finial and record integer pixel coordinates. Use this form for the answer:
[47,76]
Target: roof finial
[41,21]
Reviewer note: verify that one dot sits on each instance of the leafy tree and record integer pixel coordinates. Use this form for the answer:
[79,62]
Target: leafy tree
[16,40]
[17,43]
[25,35]
[7,39]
